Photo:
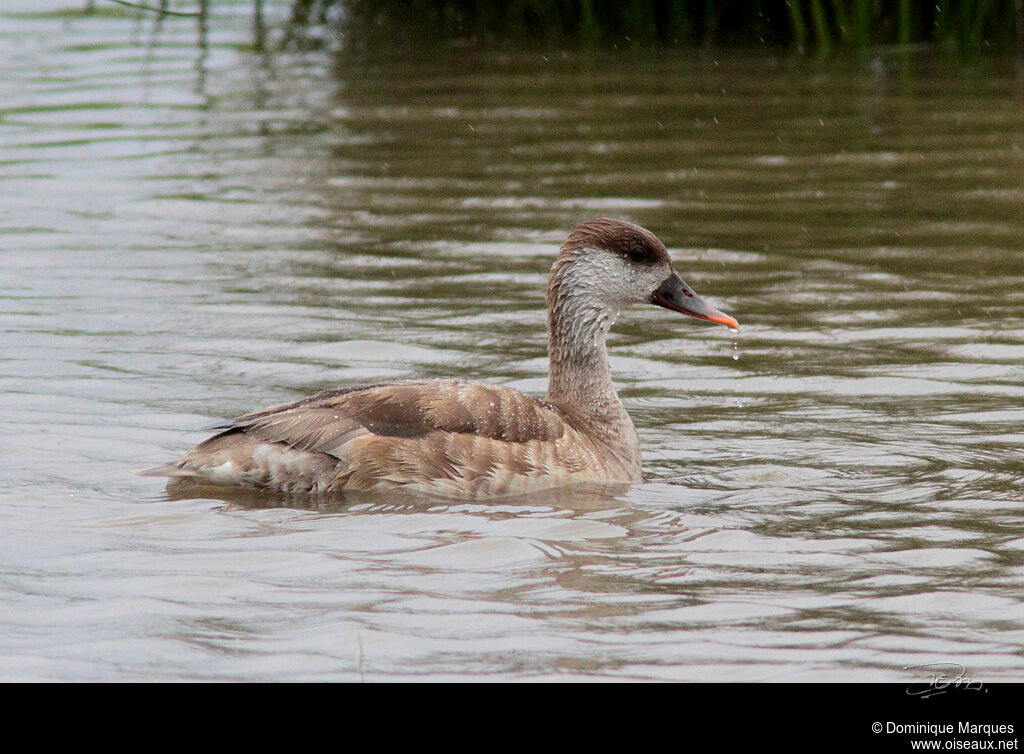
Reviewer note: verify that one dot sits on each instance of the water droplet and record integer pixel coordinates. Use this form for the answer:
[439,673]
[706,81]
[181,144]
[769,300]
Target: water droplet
[734,329]
[735,351]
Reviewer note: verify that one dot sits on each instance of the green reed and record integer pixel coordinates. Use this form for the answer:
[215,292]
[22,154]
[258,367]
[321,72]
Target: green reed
[815,26]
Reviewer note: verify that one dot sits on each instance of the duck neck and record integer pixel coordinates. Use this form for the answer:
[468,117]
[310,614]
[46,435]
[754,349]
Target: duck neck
[578,325]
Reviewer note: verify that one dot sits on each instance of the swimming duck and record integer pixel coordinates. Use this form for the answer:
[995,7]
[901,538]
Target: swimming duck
[459,439]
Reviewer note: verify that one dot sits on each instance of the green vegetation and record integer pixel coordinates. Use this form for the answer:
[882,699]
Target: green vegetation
[821,26]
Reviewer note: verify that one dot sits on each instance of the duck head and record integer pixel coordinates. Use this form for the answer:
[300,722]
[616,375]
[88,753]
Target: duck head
[610,264]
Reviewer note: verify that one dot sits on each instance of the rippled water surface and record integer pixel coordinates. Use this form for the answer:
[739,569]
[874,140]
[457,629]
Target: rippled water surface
[192,228]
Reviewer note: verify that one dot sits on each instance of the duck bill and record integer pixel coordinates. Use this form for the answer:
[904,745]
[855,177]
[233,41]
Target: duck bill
[676,295]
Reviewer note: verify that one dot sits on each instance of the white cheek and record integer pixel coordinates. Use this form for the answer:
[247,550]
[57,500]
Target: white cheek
[642,284]
[609,280]
[596,275]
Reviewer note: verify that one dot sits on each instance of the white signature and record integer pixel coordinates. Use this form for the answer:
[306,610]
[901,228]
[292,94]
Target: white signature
[940,677]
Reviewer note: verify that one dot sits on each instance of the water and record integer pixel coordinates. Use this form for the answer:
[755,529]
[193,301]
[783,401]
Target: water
[191,229]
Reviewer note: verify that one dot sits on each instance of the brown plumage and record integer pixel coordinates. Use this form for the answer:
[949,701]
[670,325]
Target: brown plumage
[459,439]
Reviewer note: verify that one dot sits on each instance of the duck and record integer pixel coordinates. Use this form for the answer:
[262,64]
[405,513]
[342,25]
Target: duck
[457,439]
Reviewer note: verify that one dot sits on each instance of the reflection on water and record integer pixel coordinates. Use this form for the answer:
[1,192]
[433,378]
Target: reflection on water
[194,231]
[580,497]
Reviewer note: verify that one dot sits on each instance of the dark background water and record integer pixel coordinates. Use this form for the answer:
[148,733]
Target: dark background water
[191,229]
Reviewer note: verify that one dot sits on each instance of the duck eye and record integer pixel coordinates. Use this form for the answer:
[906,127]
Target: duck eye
[637,254]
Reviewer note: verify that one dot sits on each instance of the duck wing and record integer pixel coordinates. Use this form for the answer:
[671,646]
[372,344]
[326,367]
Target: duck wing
[328,421]
[447,437]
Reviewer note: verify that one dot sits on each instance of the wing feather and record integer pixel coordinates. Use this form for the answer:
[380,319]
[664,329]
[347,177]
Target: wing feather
[327,422]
